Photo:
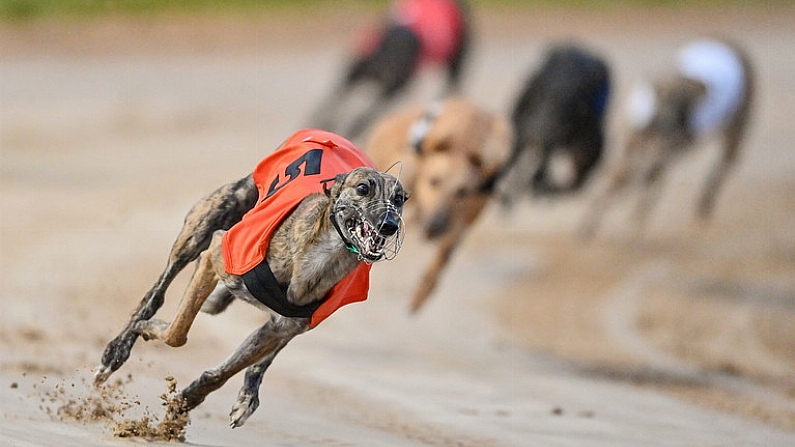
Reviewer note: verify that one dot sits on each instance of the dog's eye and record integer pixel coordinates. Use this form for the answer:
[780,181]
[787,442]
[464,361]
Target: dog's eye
[362,189]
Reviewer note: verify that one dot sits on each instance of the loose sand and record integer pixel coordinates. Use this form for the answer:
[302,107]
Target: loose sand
[680,336]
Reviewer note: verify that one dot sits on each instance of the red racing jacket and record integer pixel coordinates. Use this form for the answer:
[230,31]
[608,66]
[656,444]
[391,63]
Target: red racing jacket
[284,178]
[438,24]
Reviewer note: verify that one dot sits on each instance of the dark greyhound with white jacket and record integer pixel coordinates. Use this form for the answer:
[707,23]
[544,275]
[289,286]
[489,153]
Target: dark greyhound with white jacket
[710,95]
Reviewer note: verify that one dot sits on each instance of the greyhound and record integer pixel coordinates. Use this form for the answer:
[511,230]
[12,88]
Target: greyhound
[282,240]
[710,95]
[453,153]
[559,120]
[417,33]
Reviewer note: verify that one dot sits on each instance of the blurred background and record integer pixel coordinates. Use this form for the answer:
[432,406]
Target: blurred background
[116,116]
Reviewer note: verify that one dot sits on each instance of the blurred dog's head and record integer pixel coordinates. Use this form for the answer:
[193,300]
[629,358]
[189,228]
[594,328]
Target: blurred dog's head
[660,115]
[460,156]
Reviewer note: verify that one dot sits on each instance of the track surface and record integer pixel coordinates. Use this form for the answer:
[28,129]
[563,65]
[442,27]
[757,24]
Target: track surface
[679,337]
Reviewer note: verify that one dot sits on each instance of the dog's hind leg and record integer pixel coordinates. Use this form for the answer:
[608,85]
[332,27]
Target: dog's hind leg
[733,137]
[602,203]
[220,298]
[201,285]
[716,179]
[220,210]
[248,397]
[258,348]
[652,188]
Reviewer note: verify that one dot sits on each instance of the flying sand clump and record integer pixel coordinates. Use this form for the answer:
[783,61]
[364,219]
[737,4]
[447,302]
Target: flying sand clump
[171,428]
[110,403]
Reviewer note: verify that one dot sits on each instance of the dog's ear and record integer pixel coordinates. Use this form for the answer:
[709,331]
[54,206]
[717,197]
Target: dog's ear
[334,190]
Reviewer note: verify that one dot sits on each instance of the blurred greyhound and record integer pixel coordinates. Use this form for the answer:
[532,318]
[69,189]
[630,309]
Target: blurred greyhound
[416,33]
[452,152]
[282,240]
[558,119]
[710,95]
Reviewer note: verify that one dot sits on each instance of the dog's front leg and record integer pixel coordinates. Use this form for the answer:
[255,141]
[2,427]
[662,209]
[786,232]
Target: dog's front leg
[375,110]
[517,178]
[431,277]
[261,346]
[601,204]
[717,177]
[248,397]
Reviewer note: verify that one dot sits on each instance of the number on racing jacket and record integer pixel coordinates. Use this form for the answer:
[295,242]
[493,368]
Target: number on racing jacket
[311,160]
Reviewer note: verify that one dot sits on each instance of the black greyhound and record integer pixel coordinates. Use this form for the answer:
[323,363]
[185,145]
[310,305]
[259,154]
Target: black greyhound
[558,118]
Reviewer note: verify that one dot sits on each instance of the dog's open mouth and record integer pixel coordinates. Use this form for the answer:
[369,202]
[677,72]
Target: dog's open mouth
[368,241]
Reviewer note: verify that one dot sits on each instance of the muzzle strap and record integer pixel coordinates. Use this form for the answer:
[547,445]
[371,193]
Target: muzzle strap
[348,244]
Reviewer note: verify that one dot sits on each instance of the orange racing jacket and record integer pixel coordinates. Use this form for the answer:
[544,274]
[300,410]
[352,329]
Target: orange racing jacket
[284,178]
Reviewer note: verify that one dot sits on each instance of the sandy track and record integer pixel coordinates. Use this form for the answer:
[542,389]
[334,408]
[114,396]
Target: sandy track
[109,133]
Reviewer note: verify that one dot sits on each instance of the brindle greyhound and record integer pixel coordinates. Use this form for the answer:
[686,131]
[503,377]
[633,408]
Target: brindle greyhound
[711,95]
[302,251]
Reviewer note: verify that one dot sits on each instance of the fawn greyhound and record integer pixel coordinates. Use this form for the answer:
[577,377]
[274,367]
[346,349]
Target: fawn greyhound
[453,153]
[283,240]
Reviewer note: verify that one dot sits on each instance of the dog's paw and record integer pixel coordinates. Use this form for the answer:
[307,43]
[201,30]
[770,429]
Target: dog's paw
[101,374]
[150,329]
[243,408]
[116,353]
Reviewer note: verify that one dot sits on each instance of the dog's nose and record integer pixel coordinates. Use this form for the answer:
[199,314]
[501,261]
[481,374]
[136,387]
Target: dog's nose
[390,224]
[437,225]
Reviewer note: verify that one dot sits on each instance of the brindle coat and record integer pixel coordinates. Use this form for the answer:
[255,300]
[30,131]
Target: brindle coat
[306,252]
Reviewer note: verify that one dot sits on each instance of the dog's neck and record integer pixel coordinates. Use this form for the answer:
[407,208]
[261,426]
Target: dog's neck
[345,240]
[328,236]
[308,253]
